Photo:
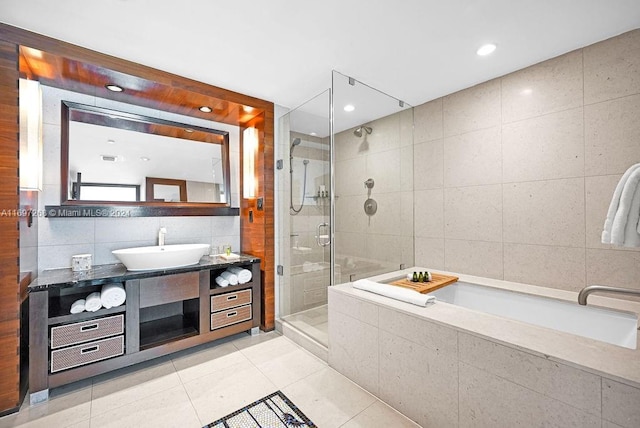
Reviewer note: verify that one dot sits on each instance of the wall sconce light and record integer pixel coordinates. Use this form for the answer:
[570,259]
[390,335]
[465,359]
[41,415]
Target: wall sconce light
[249,152]
[30,135]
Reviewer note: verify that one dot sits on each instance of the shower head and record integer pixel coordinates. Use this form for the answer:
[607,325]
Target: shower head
[358,131]
[296,141]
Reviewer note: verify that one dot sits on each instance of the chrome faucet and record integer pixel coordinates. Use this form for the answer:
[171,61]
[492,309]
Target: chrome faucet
[584,293]
[161,234]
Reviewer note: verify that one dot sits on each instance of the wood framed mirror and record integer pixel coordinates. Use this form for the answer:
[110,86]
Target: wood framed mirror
[112,158]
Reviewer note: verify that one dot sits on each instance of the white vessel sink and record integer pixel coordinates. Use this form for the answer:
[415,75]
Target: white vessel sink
[165,257]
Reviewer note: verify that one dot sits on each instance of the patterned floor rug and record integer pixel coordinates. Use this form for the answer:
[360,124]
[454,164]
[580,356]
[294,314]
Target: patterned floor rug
[273,411]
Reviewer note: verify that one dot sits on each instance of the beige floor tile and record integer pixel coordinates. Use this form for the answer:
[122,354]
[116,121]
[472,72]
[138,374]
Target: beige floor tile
[290,367]
[265,351]
[170,408]
[328,398]
[207,360]
[245,341]
[109,394]
[67,406]
[221,393]
[379,415]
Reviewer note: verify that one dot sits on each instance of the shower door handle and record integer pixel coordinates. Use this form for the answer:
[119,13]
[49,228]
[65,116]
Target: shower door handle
[323,240]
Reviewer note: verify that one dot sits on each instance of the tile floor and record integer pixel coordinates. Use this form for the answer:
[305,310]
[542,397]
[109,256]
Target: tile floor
[313,322]
[195,387]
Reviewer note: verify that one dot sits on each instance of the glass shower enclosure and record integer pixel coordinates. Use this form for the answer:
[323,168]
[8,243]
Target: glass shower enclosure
[346,197]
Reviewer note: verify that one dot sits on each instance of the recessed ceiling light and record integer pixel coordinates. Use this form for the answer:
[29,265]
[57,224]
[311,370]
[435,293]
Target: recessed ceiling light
[114,88]
[189,130]
[313,134]
[349,107]
[527,91]
[145,159]
[486,49]
[111,142]
[247,109]
[205,109]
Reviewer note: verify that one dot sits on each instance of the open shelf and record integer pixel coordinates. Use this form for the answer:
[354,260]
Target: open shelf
[60,310]
[165,330]
[217,272]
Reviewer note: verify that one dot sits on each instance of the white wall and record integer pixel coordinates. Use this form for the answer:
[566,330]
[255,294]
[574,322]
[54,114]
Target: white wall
[59,239]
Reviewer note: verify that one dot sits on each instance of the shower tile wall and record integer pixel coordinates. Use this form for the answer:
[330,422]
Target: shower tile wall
[59,239]
[309,263]
[380,243]
[513,177]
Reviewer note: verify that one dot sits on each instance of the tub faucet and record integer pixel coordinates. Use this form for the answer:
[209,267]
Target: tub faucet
[584,293]
[161,234]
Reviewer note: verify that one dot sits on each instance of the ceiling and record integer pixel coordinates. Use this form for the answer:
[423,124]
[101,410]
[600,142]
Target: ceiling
[284,51]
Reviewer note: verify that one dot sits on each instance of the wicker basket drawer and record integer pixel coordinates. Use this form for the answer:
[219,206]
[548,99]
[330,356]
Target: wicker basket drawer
[80,332]
[230,316]
[74,356]
[230,300]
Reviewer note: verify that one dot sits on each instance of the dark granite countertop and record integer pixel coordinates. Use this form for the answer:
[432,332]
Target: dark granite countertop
[104,274]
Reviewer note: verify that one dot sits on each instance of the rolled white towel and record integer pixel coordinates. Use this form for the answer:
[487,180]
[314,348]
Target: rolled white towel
[394,292]
[244,275]
[624,208]
[631,235]
[112,295]
[615,202]
[230,276]
[77,306]
[221,281]
[93,302]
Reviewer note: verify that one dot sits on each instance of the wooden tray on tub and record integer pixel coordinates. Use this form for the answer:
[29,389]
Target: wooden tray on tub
[437,281]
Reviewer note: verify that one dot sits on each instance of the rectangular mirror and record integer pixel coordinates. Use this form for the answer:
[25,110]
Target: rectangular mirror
[112,157]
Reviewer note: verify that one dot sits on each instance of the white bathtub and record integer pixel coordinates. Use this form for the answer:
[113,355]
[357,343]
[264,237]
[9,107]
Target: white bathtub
[616,327]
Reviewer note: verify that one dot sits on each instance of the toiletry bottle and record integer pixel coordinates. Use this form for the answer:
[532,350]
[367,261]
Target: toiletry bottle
[415,277]
[420,277]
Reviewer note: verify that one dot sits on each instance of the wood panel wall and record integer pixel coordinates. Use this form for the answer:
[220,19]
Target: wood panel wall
[257,237]
[9,229]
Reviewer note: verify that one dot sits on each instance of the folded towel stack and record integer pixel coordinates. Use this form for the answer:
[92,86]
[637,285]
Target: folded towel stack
[112,295]
[229,276]
[77,306]
[397,293]
[93,302]
[244,275]
[221,281]
[622,225]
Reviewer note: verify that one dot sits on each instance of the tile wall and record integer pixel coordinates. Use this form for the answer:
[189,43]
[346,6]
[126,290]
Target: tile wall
[59,239]
[513,177]
[385,240]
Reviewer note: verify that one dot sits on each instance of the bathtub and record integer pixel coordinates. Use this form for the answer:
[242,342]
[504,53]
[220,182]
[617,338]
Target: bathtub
[610,326]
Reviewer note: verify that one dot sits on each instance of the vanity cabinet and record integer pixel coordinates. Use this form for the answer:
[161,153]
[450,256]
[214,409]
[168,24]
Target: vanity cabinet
[164,312]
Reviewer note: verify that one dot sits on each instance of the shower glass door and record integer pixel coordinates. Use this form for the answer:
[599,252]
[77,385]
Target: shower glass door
[373,163]
[305,231]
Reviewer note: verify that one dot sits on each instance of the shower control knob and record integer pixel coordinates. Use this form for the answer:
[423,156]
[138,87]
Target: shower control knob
[370,206]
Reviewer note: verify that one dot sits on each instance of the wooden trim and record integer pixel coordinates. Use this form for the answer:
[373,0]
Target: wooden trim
[257,236]
[9,228]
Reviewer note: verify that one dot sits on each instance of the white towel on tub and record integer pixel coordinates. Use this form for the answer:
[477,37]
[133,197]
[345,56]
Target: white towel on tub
[394,292]
[112,295]
[244,275]
[627,211]
[631,234]
[615,203]
[93,302]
